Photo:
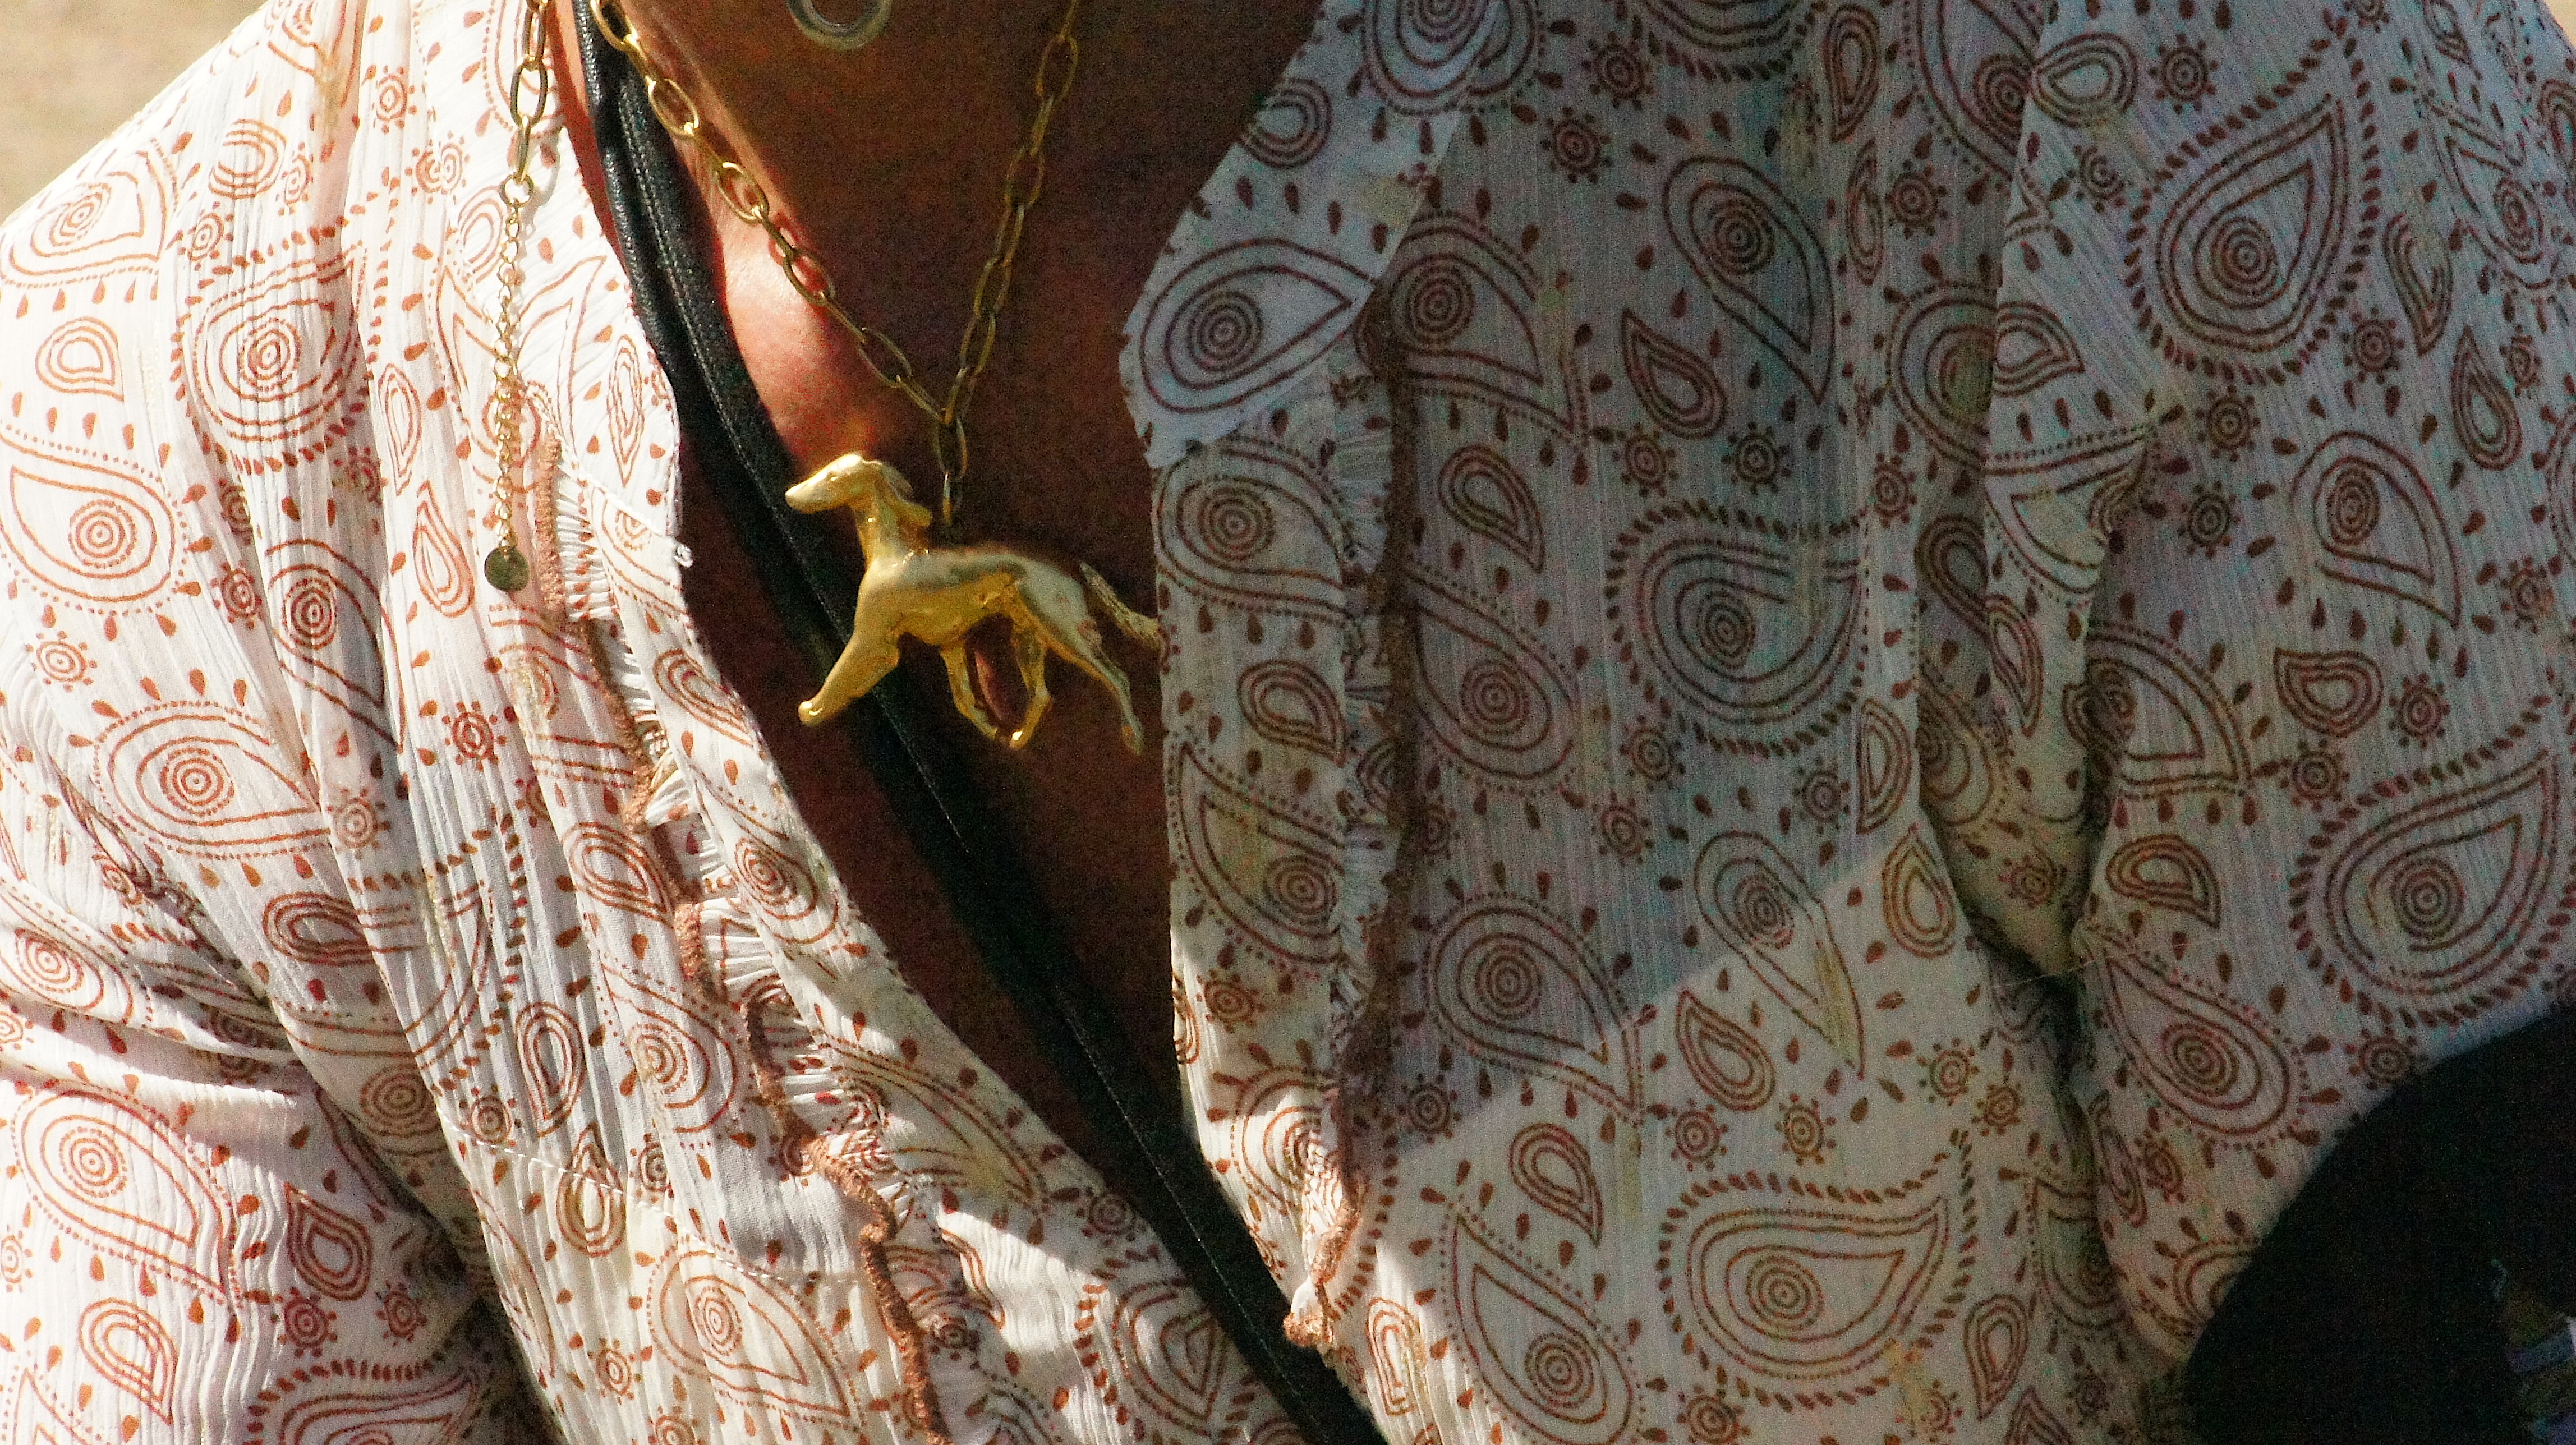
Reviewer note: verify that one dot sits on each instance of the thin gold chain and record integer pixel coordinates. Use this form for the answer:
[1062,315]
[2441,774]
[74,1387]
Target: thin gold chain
[531,91]
[749,200]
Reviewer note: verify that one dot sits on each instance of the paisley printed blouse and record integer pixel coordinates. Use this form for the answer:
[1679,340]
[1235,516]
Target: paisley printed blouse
[1844,673]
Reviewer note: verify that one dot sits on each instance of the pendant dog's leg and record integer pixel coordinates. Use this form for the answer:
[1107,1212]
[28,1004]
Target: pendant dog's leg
[863,663]
[961,690]
[1029,642]
[1081,647]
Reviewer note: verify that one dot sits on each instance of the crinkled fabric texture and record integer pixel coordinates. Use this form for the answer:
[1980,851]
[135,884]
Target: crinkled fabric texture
[400,977]
[1705,548]
[1798,519]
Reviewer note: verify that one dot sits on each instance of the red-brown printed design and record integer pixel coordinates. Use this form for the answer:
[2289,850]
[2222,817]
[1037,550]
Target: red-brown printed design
[1826,510]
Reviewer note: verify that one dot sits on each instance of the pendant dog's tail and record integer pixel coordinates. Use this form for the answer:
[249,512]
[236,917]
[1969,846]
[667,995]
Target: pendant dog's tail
[1135,624]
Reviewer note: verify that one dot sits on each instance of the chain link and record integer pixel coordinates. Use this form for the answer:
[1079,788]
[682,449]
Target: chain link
[743,194]
[530,95]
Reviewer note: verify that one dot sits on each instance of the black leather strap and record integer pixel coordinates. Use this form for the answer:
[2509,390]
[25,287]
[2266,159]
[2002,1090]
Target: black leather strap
[1145,1147]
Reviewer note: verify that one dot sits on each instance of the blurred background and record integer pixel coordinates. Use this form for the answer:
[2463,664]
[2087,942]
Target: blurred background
[71,69]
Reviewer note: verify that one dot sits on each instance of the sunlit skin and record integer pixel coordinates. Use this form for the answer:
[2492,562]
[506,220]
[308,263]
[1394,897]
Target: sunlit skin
[890,161]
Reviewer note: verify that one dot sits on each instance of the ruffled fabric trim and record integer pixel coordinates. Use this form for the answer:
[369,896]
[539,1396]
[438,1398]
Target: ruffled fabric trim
[598,547]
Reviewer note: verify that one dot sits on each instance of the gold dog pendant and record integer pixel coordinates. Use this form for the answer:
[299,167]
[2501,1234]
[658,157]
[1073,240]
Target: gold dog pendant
[939,594]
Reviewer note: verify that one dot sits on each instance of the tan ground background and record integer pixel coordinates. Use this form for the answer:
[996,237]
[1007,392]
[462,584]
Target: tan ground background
[71,69]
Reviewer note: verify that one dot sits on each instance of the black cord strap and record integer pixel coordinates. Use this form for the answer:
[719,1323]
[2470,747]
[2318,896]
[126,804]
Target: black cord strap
[1144,1144]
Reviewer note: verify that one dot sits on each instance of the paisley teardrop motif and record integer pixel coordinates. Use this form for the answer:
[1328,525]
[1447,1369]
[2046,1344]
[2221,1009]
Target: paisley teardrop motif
[551,1060]
[2378,523]
[1865,216]
[1756,899]
[2337,693]
[2156,716]
[1744,30]
[2483,413]
[2421,272]
[128,1350]
[2558,120]
[1677,389]
[331,1252]
[1536,1350]
[1975,57]
[267,362]
[1252,526]
[2122,1188]
[1481,491]
[699,698]
[679,1049]
[1942,369]
[1275,877]
[1950,561]
[1763,266]
[1739,623]
[589,1207]
[2442,21]
[2166,871]
[1997,1338]
[1958,774]
[1278,1141]
[324,614]
[56,967]
[110,222]
[1552,1167]
[444,1407]
[2075,1268]
[2085,79]
[1464,312]
[2245,256]
[1169,1351]
[2506,220]
[1851,68]
[1289,703]
[2059,506]
[1507,710]
[1922,915]
[1728,1063]
[749,1341]
[200,781]
[2204,1056]
[438,559]
[1513,986]
[2014,660]
[1882,764]
[2427,903]
[1399,1376]
[1798,1292]
[610,865]
[122,1181]
[2031,349]
[81,356]
[949,1139]
[92,537]
[1244,319]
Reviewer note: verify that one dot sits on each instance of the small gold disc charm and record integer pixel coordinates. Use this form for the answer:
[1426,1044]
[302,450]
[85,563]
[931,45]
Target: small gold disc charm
[506,567]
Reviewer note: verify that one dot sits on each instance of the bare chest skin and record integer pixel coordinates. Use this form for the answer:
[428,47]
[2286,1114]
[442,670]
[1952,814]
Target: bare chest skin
[890,162]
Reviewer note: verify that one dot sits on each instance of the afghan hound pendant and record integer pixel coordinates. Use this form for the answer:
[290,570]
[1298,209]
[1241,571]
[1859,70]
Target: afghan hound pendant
[939,594]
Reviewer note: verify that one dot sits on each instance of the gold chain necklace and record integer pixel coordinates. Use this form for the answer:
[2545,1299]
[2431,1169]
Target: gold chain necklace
[531,86]
[936,594]
[749,201]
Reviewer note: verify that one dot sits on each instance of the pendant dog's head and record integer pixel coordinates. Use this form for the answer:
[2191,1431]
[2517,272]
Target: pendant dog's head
[852,480]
